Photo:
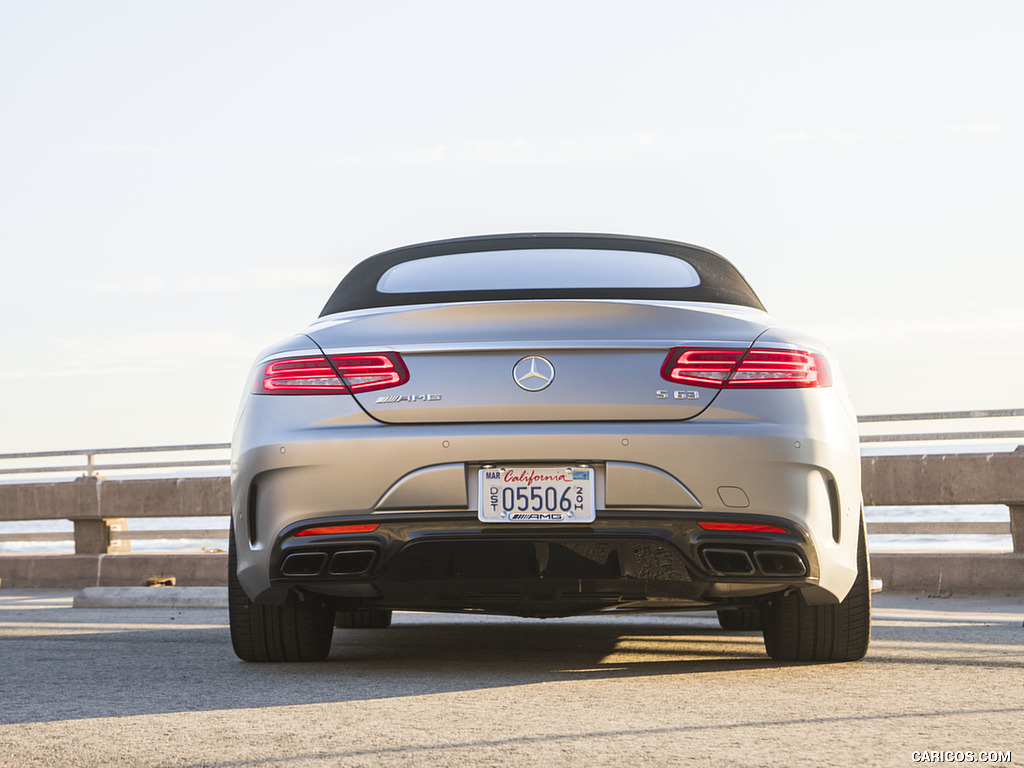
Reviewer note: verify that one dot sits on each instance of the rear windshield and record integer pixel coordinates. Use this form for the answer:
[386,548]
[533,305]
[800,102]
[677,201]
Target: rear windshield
[530,266]
[539,268]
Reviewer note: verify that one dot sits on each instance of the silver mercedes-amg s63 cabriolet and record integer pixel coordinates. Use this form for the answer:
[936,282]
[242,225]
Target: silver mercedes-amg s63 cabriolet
[546,425]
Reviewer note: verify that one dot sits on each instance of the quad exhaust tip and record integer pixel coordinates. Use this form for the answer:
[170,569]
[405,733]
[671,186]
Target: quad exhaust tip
[738,562]
[732,561]
[304,564]
[779,563]
[347,562]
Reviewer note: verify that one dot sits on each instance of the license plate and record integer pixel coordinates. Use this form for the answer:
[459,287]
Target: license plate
[536,495]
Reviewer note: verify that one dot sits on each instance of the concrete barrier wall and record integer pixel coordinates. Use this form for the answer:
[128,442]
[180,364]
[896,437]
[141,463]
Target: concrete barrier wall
[949,479]
[95,504]
[91,498]
[950,572]
[129,570]
[958,478]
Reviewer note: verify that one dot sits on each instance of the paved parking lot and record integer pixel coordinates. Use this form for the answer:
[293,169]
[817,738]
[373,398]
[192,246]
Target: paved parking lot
[161,687]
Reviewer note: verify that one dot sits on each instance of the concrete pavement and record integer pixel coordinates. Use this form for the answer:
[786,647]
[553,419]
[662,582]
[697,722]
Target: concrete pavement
[161,687]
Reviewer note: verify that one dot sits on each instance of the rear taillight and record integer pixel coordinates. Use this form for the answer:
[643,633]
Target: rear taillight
[781,368]
[316,375]
[364,373]
[700,367]
[748,369]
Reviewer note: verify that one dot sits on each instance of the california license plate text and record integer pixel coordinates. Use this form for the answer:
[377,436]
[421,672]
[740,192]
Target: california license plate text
[536,494]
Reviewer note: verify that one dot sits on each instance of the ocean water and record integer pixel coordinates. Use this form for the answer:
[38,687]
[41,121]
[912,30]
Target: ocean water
[135,524]
[964,513]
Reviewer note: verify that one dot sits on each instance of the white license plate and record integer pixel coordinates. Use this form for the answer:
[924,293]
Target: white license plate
[536,495]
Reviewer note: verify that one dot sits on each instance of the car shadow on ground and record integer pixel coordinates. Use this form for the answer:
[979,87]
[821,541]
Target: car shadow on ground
[63,665]
[109,671]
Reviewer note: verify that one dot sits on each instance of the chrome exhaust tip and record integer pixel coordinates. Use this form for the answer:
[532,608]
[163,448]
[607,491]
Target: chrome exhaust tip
[729,561]
[779,563]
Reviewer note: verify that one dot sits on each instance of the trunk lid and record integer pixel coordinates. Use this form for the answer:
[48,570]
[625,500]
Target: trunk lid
[574,360]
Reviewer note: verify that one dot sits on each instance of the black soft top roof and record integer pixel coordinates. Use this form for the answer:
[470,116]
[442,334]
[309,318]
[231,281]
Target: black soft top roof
[720,281]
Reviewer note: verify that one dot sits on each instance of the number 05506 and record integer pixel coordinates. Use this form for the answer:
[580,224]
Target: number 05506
[536,494]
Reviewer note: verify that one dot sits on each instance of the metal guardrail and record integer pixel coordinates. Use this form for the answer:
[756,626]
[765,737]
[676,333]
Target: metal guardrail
[89,466]
[997,434]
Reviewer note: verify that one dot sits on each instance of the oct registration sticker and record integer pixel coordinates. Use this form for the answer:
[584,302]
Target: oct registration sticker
[536,495]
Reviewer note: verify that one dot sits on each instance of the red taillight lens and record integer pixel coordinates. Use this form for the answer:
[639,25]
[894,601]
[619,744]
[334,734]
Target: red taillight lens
[364,373]
[781,368]
[334,529]
[742,527]
[754,369]
[314,375]
[299,376]
[701,367]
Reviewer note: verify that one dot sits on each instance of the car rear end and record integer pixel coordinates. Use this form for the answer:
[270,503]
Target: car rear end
[546,457]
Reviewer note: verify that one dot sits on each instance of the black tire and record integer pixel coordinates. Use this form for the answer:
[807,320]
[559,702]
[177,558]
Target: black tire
[796,631]
[299,630]
[740,619]
[368,618]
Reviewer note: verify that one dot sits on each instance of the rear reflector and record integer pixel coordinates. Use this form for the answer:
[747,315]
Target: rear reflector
[741,527]
[342,374]
[748,369]
[324,530]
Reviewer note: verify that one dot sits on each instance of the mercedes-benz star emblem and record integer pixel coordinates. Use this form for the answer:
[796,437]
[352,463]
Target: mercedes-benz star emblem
[533,373]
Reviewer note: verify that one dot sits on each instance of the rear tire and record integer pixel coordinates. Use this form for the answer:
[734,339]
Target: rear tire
[367,618]
[741,619]
[796,631]
[299,630]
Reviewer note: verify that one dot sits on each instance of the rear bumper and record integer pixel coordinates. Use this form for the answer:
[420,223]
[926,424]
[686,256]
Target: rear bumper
[654,481]
[624,561]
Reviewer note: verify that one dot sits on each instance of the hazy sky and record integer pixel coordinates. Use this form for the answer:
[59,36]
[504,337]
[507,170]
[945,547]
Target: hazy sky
[183,183]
